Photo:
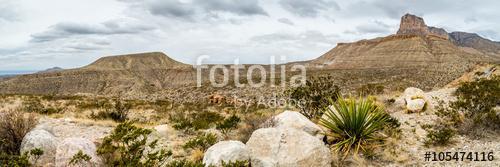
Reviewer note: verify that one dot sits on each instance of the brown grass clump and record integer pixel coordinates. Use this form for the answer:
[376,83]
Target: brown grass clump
[14,125]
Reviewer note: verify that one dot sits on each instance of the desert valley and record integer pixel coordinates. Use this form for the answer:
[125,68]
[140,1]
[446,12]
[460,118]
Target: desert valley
[386,101]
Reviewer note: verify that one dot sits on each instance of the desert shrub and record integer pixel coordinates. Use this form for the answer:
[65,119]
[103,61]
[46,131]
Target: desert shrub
[118,112]
[126,146]
[94,104]
[20,160]
[236,164]
[14,125]
[392,127]
[185,163]
[35,106]
[439,134]
[202,142]
[371,89]
[195,120]
[80,159]
[314,95]
[353,123]
[228,124]
[477,100]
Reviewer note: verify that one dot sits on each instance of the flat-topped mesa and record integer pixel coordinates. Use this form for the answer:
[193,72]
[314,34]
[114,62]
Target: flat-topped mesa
[414,25]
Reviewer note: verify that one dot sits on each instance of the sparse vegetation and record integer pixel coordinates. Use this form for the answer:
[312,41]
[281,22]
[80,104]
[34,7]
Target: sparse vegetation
[439,134]
[14,125]
[80,159]
[195,120]
[202,142]
[353,123]
[313,97]
[370,89]
[118,112]
[477,100]
[228,124]
[127,145]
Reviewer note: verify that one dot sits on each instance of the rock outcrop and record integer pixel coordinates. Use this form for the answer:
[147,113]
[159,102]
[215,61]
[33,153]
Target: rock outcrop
[43,140]
[226,151]
[67,148]
[280,147]
[415,99]
[298,121]
[414,25]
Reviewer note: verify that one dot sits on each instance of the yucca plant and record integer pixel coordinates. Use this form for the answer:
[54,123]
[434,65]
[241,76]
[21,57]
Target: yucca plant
[353,123]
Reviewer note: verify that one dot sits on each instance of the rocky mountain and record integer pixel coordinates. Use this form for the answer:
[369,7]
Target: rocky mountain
[135,74]
[414,45]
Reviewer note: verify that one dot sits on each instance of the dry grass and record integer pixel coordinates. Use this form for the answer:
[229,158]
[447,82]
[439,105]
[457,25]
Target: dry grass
[14,125]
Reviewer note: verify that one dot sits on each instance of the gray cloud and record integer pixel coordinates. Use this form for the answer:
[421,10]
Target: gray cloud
[286,21]
[200,8]
[67,29]
[308,8]
[240,7]
[171,8]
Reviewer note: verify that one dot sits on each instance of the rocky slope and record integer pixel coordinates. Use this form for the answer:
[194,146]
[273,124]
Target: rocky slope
[116,75]
[415,45]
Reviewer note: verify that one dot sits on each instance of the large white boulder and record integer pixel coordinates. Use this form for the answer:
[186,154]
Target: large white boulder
[67,148]
[227,151]
[287,147]
[298,121]
[43,140]
[412,93]
[416,105]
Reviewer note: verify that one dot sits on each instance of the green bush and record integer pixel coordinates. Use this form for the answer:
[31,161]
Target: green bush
[202,142]
[20,160]
[80,159]
[185,163]
[36,106]
[228,124]
[439,134]
[353,123]
[126,146]
[314,96]
[477,99]
[195,120]
[236,164]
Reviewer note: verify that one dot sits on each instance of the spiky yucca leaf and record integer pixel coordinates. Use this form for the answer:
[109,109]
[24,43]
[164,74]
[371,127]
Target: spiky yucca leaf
[353,123]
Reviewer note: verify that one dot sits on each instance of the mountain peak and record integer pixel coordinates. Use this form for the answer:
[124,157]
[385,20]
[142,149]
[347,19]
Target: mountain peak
[138,61]
[415,25]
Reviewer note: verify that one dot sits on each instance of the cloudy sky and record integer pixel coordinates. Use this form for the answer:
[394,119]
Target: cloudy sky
[38,34]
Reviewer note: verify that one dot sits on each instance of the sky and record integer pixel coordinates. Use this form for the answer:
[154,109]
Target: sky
[36,35]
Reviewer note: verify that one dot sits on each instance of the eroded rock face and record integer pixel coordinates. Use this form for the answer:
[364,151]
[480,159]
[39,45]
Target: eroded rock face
[286,147]
[414,25]
[44,140]
[227,151]
[67,148]
[411,24]
[416,105]
[298,121]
